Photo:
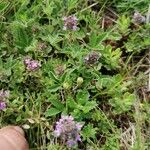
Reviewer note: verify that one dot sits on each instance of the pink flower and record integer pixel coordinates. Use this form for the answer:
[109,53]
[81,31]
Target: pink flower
[70,23]
[31,65]
[3,96]
[71,143]
[78,126]
[2,105]
[68,130]
[27,61]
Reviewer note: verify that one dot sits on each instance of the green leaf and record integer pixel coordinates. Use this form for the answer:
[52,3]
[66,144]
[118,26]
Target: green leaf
[19,118]
[3,5]
[72,4]
[52,76]
[122,103]
[63,78]
[128,99]
[22,39]
[123,24]
[54,88]
[89,106]
[53,40]
[52,112]
[57,104]
[114,36]
[96,39]
[89,132]
[67,74]
[71,103]
[111,57]
[82,97]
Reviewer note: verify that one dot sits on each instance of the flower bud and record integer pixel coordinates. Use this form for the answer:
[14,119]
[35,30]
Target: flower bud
[92,58]
[66,86]
[79,81]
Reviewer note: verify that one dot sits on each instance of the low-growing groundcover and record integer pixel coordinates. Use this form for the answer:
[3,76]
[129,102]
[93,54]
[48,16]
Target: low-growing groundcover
[74,73]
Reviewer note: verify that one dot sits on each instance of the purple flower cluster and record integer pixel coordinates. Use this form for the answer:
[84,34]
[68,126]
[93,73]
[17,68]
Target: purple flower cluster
[138,18]
[31,65]
[70,23]
[3,96]
[68,130]
[2,105]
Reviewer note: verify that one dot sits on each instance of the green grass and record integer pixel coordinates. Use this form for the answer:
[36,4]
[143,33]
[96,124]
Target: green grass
[112,101]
